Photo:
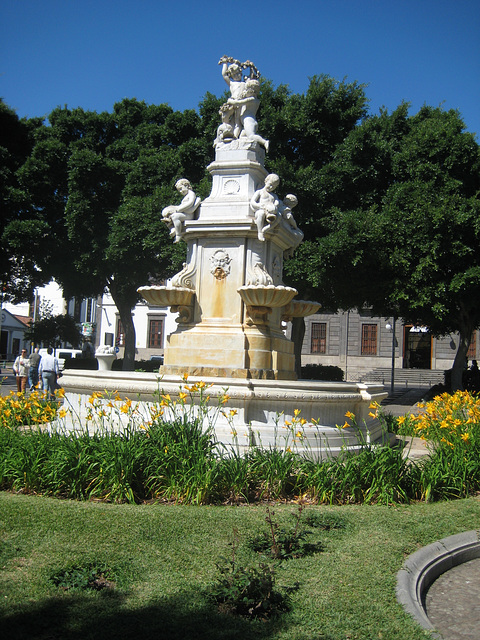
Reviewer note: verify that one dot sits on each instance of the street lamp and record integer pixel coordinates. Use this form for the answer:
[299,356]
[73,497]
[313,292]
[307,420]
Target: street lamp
[391,327]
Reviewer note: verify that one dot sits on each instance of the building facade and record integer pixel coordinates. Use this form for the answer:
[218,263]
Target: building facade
[361,344]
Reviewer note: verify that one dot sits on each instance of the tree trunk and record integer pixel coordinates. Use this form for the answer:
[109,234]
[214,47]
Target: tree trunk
[461,358]
[298,333]
[125,311]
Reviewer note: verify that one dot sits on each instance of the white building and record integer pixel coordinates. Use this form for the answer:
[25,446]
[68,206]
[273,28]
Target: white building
[152,325]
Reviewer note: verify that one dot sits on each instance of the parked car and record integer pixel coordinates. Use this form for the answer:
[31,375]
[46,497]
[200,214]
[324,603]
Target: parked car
[63,354]
[157,359]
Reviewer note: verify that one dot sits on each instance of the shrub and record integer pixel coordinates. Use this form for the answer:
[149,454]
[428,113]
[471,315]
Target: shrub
[247,590]
[328,373]
[91,364]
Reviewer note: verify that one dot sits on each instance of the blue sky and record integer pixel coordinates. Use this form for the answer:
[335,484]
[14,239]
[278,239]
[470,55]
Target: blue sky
[94,53]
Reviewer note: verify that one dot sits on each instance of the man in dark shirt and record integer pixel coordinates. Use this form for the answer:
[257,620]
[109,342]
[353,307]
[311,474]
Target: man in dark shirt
[33,371]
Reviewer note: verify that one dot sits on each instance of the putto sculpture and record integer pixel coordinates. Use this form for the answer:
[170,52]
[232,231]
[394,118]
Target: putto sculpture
[174,216]
[239,112]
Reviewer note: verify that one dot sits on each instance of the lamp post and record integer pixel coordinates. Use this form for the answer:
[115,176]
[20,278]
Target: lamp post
[391,327]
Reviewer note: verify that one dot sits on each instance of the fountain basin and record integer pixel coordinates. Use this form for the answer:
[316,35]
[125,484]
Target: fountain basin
[257,412]
[161,296]
[300,309]
[266,296]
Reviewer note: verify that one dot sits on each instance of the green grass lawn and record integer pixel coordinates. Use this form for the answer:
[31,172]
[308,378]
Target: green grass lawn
[162,559]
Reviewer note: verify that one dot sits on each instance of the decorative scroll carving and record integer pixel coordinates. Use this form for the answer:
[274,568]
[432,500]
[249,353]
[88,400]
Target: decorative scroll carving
[258,275]
[184,278]
[185,313]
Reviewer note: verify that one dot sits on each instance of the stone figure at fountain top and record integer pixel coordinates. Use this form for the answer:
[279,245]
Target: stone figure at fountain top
[239,112]
[174,216]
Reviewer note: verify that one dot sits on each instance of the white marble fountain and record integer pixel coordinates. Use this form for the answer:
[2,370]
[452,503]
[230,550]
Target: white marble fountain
[232,303]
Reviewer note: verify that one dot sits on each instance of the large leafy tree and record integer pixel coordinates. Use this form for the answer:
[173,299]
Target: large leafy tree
[402,221]
[21,239]
[98,182]
[305,131]
[53,331]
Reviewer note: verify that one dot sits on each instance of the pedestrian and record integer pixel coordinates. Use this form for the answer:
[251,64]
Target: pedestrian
[20,368]
[33,371]
[48,371]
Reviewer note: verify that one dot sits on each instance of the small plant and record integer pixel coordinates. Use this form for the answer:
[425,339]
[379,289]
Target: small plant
[246,590]
[80,578]
[283,543]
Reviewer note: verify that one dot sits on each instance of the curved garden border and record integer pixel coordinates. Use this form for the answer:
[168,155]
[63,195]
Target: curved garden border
[425,565]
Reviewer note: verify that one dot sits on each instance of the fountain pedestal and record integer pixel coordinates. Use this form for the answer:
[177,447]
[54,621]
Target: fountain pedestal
[234,328]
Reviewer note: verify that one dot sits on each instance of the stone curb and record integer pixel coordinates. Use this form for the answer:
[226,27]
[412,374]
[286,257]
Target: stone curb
[425,565]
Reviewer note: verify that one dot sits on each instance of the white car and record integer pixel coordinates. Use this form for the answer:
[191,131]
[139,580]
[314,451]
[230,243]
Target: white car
[62,355]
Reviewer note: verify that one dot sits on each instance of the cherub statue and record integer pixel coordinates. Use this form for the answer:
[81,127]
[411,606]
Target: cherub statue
[239,112]
[289,202]
[175,215]
[247,107]
[266,206]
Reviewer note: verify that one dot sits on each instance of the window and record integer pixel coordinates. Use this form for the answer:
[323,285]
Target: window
[120,334]
[155,333]
[318,343]
[369,340]
[472,349]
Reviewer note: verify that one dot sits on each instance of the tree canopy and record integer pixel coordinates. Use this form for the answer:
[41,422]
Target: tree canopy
[401,224]
[53,330]
[388,203]
[20,237]
[98,183]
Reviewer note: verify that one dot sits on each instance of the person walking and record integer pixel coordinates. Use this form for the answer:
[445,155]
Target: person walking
[20,368]
[33,371]
[48,371]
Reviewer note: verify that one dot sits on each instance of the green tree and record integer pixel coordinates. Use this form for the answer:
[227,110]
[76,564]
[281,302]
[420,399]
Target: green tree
[99,182]
[402,224]
[21,239]
[305,133]
[52,331]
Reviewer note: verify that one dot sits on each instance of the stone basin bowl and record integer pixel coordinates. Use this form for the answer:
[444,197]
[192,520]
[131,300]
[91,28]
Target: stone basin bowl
[167,296]
[266,296]
[301,308]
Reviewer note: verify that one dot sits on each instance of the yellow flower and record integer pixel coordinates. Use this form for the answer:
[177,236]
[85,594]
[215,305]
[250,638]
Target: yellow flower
[124,408]
[296,412]
[62,413]
[350,415]
[185,376]
[465,436]
[182,396]
[233,412]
